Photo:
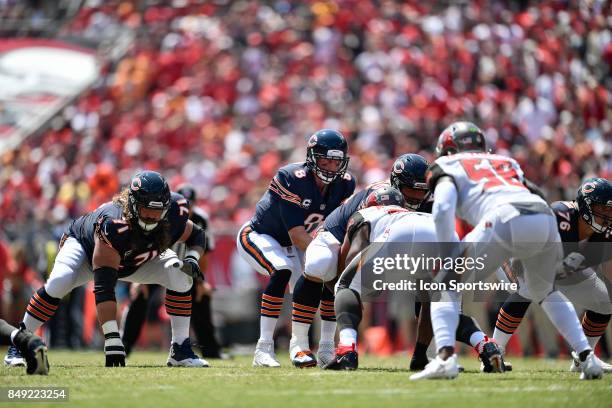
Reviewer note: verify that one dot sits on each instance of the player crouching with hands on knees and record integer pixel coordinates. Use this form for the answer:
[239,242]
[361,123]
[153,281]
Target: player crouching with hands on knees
[128,239]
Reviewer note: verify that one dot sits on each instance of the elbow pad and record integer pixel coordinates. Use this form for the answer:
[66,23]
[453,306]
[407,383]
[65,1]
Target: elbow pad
[105,279]
[197,237]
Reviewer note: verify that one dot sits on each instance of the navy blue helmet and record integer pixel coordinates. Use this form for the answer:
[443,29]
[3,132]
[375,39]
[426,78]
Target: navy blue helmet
[148,189]
[327,144]
[409,173]
[592,192]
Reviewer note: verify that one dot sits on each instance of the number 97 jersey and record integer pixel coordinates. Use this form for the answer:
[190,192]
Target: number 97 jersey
[484,181]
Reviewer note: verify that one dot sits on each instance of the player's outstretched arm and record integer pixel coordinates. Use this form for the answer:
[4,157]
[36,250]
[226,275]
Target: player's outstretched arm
[444,207]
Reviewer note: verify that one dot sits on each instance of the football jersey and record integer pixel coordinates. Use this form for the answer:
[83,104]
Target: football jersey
[383,218]
[484,181]
[568,218]
[337,221]
[133,245]
[293,199]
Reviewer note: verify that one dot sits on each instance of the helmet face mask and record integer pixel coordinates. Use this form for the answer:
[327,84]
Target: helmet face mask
[408,176]
[327,149]
[149,199]
[595,204]
[602,217]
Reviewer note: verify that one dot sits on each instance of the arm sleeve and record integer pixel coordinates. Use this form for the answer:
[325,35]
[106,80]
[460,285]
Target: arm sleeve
[444,207]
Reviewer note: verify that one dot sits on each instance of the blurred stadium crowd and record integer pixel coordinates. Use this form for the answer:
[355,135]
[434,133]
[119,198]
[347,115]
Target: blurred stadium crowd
[221,93]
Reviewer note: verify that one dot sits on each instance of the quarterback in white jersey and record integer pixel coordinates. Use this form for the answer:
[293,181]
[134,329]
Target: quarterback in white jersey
[489,191]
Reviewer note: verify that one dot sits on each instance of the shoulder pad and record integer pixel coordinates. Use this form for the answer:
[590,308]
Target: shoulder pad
[434,173]
[179,209]
[114,232]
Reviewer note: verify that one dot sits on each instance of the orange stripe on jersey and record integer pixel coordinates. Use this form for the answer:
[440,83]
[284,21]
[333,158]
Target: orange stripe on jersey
[283,196]
[285,190]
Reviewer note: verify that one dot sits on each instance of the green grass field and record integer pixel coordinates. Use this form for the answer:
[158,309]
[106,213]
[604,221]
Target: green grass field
[381,382]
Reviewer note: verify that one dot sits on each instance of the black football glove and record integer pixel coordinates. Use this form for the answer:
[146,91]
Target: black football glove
[192,268]
[114,350]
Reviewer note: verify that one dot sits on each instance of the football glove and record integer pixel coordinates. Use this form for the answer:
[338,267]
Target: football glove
[192,268]
[571,264]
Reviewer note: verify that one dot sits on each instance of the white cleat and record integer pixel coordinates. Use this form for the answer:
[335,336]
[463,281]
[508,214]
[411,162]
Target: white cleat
[264,355]
[439,369]
[575,365]
[14,358]
[181,355]
[590,368]
[326,353]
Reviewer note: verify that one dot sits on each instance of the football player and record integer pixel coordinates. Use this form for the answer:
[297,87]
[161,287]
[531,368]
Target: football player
[489,192]
[363,222]
[128,239]
[32,351]
[201,313]
[273,242]
[321,259]
[584,225]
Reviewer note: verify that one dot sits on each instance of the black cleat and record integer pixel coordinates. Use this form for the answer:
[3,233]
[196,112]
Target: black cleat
[491,358]
[346,359]
[34,351]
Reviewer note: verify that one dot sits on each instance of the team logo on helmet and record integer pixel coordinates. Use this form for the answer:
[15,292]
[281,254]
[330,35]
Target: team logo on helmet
[312,141]
[136,184]
[398,167]
[588,187]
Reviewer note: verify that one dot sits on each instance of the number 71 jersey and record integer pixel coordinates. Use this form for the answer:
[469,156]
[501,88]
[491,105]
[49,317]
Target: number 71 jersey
[484,181]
